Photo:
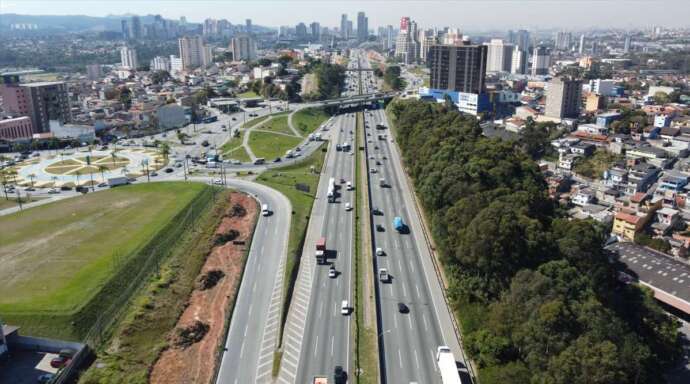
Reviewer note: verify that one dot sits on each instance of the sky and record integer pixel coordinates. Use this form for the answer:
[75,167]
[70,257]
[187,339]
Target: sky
[464,14]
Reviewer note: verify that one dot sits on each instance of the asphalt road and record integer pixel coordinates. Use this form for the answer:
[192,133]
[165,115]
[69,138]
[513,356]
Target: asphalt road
[251,318]
[326,341]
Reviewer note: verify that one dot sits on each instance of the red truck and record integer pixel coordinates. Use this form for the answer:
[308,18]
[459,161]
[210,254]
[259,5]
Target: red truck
[321,250]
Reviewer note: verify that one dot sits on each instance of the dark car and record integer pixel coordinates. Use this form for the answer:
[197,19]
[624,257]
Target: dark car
[402,308]
[379,228]
[277,160]
[339,375]
[66,188]
[154,174]
[205,143]
[169,170]
[376,211]
[45,378]
[59,362]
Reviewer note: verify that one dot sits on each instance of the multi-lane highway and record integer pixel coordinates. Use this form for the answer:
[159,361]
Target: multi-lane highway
[326,341]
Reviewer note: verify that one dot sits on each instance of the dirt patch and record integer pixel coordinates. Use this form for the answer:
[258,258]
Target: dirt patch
[195,362]
[190,334]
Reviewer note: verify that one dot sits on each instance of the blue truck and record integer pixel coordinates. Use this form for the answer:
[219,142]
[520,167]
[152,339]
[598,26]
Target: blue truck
[398,224]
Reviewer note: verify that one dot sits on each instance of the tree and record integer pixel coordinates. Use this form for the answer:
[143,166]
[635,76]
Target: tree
[181,136]
[32,177]
[160,77]
[164,149]
[102,169]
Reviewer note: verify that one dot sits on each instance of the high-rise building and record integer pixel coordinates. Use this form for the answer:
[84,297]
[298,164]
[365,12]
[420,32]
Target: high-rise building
[563,40]
[427,38]
[243,47]
[460,68]
[128,58]
[541,61]
[41,101]
[390,37]
[160,63]
[627,43]
[519,61]
[453,36]
[343,26]
[350,33]
[404,24]
[93,72]
[248,26]
[125,29]
[500,56]
[581,48]
[563,98]
[176,64]
[315,31]
[362,27]
[193,52]
[301,32]
[135,30]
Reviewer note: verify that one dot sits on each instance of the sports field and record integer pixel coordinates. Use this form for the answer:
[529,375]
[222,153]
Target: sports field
[57,257]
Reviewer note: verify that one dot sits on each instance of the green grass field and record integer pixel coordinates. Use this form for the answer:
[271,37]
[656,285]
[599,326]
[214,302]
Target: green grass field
[233,143]
[276,124]
[248,95]
[253,122]
[12,201]
[238,153]
[308,120]
[57,257]
[270,146]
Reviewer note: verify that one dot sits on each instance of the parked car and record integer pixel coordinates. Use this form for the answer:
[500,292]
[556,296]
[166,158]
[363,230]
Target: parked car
[45,378]
[59,362]
[169,170]
[402,308]
[379,228]
[154,174]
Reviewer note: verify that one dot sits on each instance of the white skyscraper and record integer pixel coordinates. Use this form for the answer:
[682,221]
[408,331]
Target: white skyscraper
[519,61]
[500,56]
[243,48]
[581,49]
[175,64]
[160,63]
[192,52]
[128,58]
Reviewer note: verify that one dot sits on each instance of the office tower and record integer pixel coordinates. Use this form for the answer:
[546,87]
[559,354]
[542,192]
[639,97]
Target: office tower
[563,98]
[500,56]
[627,43]
[42,101]
[135,29]
[93,72]
[563,40]
[581,49]
[362,27]
[193,52]
[426,39]
[315,31]
[343,26]
[243,47]
[601,87]
[301,32]
[541,61]
[183,20]
[125,29]
[405,44]
[595,47]
[390,36]
[452,36]
[519,61]
[210,27]
[460,68]
[175,64]
[128,58]
[248,26]
[522,40]
[349,29]
[160,63]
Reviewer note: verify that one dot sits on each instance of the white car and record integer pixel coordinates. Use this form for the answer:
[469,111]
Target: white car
[344,308]
[379,251]
[331,272]
[349,186]
[373,170]
[217,181]
[348,206]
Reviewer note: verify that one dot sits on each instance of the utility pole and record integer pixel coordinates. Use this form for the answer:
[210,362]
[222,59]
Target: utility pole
[19,199]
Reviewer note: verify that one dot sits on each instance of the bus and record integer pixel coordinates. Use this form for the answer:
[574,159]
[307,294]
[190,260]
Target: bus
[331,190]
[210,119]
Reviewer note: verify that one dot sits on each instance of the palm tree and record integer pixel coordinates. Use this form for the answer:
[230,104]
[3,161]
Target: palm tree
[102,169]
[113,155]
[164,149]
[31,179]
[78,173]
[55,179]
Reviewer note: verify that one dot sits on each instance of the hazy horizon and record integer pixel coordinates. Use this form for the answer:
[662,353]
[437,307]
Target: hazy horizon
[470,14]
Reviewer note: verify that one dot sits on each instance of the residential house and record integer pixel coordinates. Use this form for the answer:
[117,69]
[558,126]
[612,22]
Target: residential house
[667,218]
[627,225]
[593,129]
[640,177]
[583,197]
[605,119]
[583,149]
[567,161]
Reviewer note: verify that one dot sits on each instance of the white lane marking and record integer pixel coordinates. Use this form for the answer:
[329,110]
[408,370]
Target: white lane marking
[416,360]
[409,318]
[391,287]
[395,321]
[242,350]
[254,287]
[418,295]
[399,266]
[400,358]
[332,343]
[320,309]
[316,345]
[426,325]
[404,290]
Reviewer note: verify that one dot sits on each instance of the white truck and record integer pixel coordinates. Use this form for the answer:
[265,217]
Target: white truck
[115,181]
[447,366]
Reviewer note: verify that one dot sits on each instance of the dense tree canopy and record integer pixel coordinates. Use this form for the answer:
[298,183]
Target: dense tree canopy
[550,309]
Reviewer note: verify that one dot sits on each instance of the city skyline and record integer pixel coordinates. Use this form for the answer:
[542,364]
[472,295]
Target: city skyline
[464,14]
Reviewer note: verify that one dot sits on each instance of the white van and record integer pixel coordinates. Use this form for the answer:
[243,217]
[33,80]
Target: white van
[264,210]
[349,186]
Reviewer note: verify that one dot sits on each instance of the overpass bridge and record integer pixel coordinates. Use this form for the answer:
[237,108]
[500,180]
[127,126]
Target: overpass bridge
[667,276]
[358,100]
